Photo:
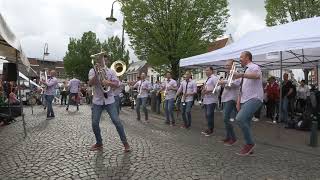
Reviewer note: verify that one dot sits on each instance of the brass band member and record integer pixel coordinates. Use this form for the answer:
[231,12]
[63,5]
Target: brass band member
[249,100]
[210,100]
[51,84]
[102,102]
[169,88]
[144,87]
[188,88]
[229,98]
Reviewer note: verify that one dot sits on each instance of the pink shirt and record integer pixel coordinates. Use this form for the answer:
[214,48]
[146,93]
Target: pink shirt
[209,85]
[232,92]
[192,88]
[252,88]
[98,97]
[143,88]
[74,85]
[170,94]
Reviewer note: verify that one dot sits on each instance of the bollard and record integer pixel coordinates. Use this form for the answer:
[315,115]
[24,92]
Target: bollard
[314,134]
[153,101]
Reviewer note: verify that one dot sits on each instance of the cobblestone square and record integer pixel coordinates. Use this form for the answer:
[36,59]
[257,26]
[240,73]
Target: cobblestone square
[58,149]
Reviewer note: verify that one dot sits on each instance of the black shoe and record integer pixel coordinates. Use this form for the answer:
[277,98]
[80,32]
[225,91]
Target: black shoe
[67,109]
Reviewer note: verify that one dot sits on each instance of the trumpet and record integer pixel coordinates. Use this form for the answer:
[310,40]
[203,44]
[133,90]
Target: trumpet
[217,86]
[231,73]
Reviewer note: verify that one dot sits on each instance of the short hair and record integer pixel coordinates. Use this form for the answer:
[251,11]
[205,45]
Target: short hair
[303,81]
[248,54]
[210,67]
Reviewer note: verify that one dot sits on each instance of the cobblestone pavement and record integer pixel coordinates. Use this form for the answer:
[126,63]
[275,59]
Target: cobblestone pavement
[58,149]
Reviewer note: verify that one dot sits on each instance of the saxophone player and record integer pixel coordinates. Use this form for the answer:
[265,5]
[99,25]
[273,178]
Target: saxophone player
[188,88]
[210,99]
[144,86]
[169,88]
[102,102]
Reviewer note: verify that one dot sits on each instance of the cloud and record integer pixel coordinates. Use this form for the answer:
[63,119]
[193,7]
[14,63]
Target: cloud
[36,22]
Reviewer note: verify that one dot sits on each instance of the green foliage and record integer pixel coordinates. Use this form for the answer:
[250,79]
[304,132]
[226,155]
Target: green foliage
[77,60]
[114,50]
[164,31]
[284,11]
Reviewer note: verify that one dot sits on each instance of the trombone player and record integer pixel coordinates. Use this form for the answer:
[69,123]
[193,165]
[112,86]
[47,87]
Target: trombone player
[229,98]
[100,77]
[144,87]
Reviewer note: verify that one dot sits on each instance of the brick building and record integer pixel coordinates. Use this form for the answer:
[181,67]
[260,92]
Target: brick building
[48,64]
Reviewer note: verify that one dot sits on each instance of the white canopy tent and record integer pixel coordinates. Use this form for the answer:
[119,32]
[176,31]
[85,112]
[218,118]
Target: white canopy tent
[298,42]
[10,46]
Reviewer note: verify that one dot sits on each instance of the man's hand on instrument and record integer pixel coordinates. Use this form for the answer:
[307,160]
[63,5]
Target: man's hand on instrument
[107,82]
[237,75]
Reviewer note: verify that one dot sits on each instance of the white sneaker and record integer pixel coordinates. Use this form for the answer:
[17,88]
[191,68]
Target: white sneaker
[231,119]
[254,119]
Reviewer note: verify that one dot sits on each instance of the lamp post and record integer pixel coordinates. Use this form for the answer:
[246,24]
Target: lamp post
[112,20]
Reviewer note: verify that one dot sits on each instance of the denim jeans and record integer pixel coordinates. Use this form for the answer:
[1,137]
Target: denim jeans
[75,95]
[244,118]
[168,107]
[186,113]
[209,113]
[143,102]
[228,108]
[284,109]
[96,116]
[49,99]
[118,103]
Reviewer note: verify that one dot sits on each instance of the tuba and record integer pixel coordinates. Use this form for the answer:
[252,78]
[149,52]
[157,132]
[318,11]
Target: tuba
[100,74]
[119,67]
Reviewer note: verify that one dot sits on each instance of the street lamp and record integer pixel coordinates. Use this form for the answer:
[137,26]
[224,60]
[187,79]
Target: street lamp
[112,20]
[45,50]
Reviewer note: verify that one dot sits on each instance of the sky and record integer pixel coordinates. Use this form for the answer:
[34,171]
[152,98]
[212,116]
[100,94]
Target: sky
[36,22]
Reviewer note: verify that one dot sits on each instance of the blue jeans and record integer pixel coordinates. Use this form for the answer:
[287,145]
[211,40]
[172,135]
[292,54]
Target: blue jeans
[49,99]
[118,103]
[186,113]
[112,111]
[228,108]
[168,107]
[209,113]
[75,95]
[244,118]
[284,109]
[143,102]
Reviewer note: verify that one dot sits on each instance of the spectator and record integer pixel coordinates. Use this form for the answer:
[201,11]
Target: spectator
[303,92]
[273,94]
[287,96]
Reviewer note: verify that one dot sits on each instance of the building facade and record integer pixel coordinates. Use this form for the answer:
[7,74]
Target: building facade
[41,65]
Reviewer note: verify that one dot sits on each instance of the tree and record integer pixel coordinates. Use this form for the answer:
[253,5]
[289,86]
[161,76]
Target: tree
[114,50]
[77,60]
[164,31]
[284,11]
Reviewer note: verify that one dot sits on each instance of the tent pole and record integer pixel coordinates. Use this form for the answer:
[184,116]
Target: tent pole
[280,102]
[21,103]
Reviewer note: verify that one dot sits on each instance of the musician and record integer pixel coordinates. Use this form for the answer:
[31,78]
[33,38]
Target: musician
[229,98]
[117,91]
[143,86]
[100,103]
[74,88]
[188,88]
[64,93]
[50,91]
[157,88]
[169,88]
[249,100]
[210,99]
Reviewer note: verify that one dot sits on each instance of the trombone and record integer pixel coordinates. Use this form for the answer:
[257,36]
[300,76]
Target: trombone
[231,73]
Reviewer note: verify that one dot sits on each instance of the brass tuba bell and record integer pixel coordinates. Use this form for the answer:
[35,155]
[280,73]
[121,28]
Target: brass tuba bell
[119,67]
